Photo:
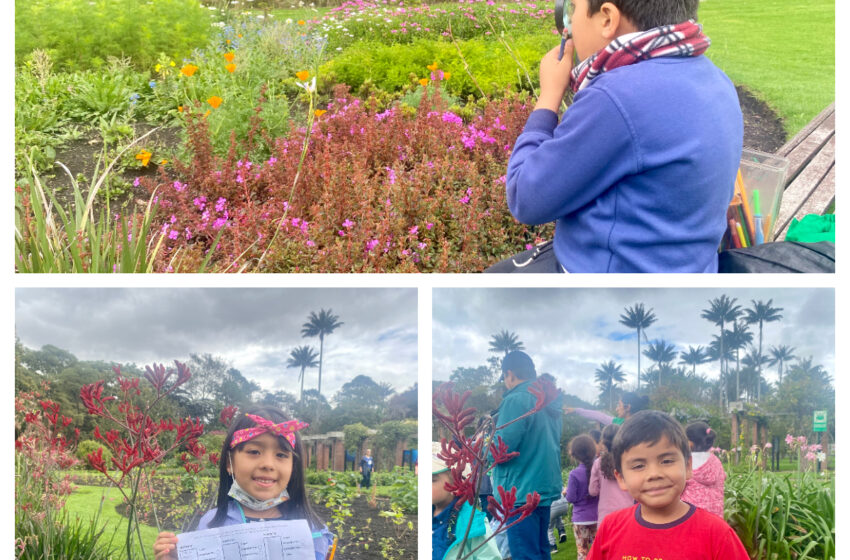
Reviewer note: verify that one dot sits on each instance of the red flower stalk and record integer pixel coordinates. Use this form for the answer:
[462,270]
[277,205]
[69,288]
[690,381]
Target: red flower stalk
[227,414]
[458,416]
[500,452]
[544,390]
[157,376]
[213,457]
[189,429]
[92,397]
[96,460]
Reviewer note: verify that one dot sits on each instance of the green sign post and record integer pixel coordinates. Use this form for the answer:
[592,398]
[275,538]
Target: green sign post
[819,421]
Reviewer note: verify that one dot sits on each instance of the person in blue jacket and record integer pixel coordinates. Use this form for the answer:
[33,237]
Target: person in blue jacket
[640,170]
[537,468]
[366,464]
[261,478]
[449,520]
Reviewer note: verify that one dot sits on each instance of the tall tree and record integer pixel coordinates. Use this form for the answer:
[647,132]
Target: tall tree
[781,355]
[753,362]
[738,338]
[694,357]
[638,318]
[722,310]
[761,313]
[663,354]
[503,342]
[302,357]
[320,325]
[607,374]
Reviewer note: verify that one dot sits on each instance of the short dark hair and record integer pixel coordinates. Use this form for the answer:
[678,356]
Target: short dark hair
[635,402]
[701,435]
[596,435]
[648,426]
[646,14]
[520,363]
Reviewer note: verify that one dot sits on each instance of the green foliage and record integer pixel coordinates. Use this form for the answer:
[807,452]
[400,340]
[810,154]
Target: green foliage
[782,515]
[391,68]
[354,436]
[90,446]
[389,433]
[82,34]
[62,537]
[403,490]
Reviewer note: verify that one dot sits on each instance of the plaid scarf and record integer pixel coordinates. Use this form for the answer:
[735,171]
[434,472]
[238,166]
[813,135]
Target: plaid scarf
[683,39]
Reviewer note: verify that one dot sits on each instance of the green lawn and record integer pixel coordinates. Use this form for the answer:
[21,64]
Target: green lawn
[85,503]
[782,50]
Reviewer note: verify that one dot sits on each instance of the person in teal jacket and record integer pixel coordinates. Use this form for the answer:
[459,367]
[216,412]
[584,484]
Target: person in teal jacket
[537,468]
[449,521]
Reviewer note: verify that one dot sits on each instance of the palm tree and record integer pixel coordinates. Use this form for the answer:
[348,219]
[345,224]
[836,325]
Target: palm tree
[754,361]
[781,355]
[303,357]
[320,325]
[662,354]
[721,310]
[505,342]
[639,319]
[694,357]
[737,339]
[761,313]
[606,374]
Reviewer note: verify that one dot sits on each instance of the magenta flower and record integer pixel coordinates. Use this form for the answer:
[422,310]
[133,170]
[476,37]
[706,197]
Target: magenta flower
[414,230]
[347,224]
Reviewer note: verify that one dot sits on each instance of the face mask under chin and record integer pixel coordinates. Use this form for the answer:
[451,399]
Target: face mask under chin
[237,493]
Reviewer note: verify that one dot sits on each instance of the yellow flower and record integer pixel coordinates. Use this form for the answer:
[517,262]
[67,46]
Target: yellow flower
[207,113]
[163,162]
[215,101]
[432,67]
[228,41]
[231,68]
[447,75]
[144,156]
[172,63]
[424,82]
[302,75]
[239,35]
[188,70]
[157,68]
[180,108]
[228,56]
[319,112]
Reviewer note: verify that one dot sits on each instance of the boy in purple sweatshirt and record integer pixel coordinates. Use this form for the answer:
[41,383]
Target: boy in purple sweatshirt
[640,170]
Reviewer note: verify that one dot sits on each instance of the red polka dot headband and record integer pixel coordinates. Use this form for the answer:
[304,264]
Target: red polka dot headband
[286,429]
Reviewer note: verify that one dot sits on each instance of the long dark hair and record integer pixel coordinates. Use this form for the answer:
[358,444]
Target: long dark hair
[297,506]
[701,435]
[583,449]
[606,460]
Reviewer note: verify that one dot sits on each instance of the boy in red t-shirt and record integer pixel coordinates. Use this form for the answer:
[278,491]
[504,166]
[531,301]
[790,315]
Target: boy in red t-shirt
[652,463]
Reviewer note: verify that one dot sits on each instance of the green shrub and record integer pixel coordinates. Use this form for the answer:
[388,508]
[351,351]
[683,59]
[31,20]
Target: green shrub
[391,68]
[82,34]
[62,537]
[90,446]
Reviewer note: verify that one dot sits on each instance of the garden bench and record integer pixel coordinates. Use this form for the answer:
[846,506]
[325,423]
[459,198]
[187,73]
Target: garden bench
[810,184]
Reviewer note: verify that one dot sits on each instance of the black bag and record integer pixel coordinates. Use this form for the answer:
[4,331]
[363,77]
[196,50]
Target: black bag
[535,260]
[782,256]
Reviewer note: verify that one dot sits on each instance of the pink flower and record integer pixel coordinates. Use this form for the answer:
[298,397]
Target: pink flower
[429,225]
[371,244]
[422,245]
[179,187]
[173,234]
[219,223]
[310,243]
[200,202]
[341,233]
[347,224]
[768,445]
[414,230]
[136,182]
[789,439]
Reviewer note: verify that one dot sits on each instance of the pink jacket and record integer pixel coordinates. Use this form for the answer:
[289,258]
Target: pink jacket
[611,498]
[705,488]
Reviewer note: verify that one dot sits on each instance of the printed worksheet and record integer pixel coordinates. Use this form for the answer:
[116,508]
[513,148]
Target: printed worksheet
[272,540]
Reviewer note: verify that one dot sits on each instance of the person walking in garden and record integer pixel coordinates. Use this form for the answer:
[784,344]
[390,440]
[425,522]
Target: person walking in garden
[261,478]
[706,486]
[366,464]
[652,462]
[537,468]
[640,170]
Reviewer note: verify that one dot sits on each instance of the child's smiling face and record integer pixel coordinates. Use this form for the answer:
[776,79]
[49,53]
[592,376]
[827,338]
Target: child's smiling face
[655,474]
[262,468]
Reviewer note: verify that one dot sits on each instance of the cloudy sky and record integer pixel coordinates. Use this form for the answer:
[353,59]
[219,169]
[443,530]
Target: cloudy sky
[570,332]
[254,329]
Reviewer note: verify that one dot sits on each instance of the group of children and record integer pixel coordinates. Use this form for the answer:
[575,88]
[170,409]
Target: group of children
[604,483]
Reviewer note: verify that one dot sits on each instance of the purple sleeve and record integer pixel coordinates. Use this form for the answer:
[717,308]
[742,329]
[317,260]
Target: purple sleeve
[574,490]
[555,169]
[594,415]
[595,478]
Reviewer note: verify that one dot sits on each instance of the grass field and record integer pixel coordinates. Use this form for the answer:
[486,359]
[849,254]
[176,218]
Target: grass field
[782,50]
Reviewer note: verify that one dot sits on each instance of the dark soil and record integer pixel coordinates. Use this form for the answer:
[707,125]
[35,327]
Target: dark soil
[763,129]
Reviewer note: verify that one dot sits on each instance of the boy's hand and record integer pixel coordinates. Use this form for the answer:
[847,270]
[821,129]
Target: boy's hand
[165,544]
[555,77]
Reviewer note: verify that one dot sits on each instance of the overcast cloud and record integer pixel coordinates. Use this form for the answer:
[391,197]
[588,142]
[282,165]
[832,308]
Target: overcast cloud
[253,329]
[570,332]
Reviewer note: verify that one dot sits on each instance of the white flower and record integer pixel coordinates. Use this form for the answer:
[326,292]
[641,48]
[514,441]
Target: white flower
[288,21]
[821,456]
[310,88]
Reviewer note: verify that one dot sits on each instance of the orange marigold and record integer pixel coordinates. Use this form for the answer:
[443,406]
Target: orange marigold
[231,68]
[144,156]
[424,82]
[319,112]
[302,75]
[228,56]
[188,70]
[215,101]
[432,67]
